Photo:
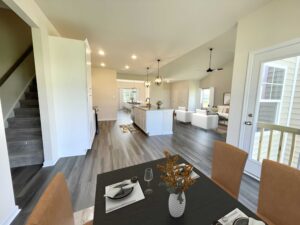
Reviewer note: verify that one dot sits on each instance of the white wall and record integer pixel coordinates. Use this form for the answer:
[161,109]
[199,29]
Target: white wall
[275,23]
[179,94]
[161,93]
[220,80]
[41,27]
[14,87]
[69,80]
[13,45]
[8,209]
[104,82]
[139,85]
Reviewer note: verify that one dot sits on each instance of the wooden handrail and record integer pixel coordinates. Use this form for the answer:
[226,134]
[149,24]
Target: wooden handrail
[15,65]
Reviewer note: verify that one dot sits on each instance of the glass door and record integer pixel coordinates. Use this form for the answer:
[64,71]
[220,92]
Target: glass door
[272,117]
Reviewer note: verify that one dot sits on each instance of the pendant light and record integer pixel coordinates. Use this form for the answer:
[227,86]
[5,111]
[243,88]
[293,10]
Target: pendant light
[158,79]
[147,83]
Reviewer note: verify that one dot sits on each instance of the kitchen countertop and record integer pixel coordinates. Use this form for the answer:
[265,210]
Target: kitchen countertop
[152,108]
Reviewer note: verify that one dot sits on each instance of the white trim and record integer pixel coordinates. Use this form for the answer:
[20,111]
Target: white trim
[131,81]
[293,90]
[107,119]
[11,110]
[48,163]
[252,55]
[74,154]
[12,215]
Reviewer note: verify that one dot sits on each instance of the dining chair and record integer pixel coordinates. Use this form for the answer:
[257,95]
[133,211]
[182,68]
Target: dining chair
[279,194]
[227,167]
[54,206]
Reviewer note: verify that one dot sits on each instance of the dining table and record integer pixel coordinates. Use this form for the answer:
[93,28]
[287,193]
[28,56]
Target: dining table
[206,202]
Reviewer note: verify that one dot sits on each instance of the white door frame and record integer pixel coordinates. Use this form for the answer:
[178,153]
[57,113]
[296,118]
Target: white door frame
[249,78]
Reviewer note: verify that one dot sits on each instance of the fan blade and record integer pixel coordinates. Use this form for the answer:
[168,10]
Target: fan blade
[220,69]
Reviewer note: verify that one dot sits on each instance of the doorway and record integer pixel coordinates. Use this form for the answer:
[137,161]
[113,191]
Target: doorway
[271,124]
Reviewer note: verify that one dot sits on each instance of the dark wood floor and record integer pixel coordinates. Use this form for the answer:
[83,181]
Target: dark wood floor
[113,149]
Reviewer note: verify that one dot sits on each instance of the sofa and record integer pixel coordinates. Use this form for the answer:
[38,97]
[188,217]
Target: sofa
[203,120]
[183,115]
[223,111]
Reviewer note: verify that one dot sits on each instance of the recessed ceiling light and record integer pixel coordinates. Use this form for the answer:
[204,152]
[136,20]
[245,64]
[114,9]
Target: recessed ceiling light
[134,57]
[102,64]
[101,52]
[127,67]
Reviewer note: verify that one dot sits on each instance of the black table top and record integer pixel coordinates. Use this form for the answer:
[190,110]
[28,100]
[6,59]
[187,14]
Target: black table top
[205,201]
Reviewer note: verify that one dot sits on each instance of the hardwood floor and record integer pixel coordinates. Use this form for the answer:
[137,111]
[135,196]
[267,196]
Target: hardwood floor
[113,149]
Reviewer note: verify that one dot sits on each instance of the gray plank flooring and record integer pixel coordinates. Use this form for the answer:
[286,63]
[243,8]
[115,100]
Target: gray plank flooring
[113,149]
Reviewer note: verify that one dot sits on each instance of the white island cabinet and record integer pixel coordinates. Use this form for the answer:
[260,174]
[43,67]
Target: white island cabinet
[153,121]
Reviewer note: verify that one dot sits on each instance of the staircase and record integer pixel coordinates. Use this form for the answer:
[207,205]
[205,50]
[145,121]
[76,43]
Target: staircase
[23,135]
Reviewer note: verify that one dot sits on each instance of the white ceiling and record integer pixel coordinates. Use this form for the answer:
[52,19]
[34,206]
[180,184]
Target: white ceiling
[194,64]
[165,29]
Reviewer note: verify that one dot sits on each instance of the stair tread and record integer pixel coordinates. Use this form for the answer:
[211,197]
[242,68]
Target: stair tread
[31,152]
[24,118]
[20,158]
[24,135]
[22,139]
[27,109]
[23,129]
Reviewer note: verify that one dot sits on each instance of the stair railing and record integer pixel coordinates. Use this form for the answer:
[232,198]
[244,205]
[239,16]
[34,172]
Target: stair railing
[15,65]
[282,129]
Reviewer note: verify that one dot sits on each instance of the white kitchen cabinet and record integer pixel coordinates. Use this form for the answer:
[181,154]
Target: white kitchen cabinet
[154,121]
[70,63]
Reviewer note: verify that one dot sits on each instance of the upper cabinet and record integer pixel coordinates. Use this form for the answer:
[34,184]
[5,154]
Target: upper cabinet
[70,62]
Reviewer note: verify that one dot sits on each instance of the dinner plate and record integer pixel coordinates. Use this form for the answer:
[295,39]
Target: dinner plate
[241,221]
[123,192]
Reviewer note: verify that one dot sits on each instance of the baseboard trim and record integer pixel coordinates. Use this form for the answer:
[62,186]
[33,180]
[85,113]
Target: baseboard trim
[12,215]
[76,154]
[48,163]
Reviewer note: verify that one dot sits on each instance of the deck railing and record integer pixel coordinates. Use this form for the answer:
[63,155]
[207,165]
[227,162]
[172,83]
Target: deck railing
[282,130]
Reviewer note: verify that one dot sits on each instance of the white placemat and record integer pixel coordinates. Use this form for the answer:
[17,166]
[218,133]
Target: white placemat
[136,195]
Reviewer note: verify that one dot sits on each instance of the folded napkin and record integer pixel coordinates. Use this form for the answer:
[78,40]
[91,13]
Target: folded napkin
[115,189]
[112,204]
[235,214]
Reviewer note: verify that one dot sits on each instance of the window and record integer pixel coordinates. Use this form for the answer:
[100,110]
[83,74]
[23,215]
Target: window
[205,98]
[129,94]
[271,94]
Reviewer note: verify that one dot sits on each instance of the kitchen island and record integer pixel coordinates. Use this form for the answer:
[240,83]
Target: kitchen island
[153,121]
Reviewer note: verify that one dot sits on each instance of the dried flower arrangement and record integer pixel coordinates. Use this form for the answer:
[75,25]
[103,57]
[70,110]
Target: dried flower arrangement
[174,177]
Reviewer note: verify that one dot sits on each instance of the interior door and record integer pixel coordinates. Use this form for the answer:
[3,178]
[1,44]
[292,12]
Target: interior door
[270,99]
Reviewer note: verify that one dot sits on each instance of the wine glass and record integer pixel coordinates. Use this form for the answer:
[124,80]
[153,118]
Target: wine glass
[148,177]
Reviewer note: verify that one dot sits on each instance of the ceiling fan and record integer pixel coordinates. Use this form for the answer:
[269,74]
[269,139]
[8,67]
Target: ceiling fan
[209,70]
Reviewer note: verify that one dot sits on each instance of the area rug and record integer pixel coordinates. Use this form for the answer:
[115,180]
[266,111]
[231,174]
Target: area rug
[126,128]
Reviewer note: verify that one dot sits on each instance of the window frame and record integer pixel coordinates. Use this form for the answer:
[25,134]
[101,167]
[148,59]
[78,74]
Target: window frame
[278,101]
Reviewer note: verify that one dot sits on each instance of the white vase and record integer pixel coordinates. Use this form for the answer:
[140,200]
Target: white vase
[176,208]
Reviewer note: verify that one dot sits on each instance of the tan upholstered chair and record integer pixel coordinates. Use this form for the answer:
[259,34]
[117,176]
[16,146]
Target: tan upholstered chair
[227,167]
[54,206]
[279,194]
